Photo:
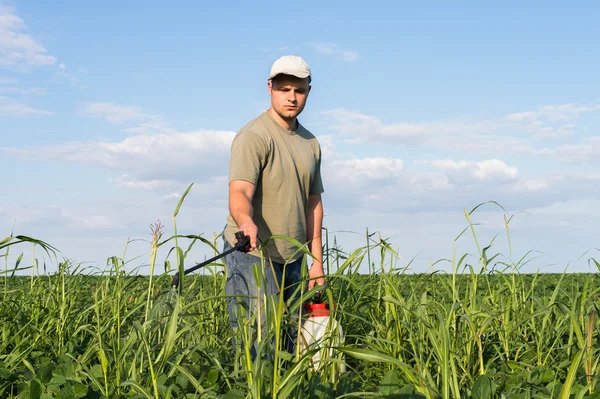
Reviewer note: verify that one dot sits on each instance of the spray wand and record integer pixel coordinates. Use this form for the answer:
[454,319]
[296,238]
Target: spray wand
[242,244]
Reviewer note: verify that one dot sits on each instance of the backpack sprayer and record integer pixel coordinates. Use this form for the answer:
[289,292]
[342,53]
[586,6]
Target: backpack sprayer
[321,331]
[242,244]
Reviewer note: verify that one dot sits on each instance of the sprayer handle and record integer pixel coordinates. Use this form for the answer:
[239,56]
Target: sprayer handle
[243,242]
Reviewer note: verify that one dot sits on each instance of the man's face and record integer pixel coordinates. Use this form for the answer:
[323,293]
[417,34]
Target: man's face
[288,95]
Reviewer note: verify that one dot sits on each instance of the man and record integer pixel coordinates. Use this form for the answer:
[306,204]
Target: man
[275,188]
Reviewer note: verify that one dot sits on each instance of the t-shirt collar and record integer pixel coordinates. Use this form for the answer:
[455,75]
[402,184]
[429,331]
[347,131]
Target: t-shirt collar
[290,132]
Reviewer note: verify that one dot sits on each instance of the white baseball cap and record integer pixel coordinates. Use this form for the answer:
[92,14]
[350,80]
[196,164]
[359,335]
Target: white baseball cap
[290,65]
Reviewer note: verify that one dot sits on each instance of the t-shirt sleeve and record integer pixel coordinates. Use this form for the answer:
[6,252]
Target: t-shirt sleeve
[317,184]
[248,157]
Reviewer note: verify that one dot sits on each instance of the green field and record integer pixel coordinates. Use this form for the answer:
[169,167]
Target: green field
[475,333]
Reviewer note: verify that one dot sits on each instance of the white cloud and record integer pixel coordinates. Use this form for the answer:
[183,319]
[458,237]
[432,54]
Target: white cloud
[121,114]
[465,172]
[534,184]
[584,153]
[152,124]
[390,185]
[38,91]
[145,161]
[113,112]
[470,136]
[554,113]
[73,81]
[513,133]
[131,182]
[326,142]
[91,222]
[10,108]
[357,127]
[371,168]
[7,80]
[564,213]
[334,50]
[18,48]
[61,217]
[549,121]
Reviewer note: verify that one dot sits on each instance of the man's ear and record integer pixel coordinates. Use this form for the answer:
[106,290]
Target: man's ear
[270,86]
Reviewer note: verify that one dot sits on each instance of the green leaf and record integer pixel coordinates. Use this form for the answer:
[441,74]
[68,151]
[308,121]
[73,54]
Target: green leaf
[291,378]
[6,240]
[390,383]
[169,340]
[53,389]
[97,371]
[547,376]
[80,390]
[5,374]
[162,379]
[213,376]
[372,356]
[58,380]
[138,388]
[189,376]
[571,374]
[234,394]
[46,396]
[23,390]
[66,365]
[35,389]
[181,200]
[324,390]
[18,261]
[67,392]
[482,388]
[182,381]
[44,373]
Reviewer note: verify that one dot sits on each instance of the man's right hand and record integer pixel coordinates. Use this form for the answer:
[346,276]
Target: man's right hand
[250,230]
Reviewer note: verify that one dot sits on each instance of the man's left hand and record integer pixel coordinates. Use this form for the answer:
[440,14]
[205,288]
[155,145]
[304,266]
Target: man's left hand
[316,275]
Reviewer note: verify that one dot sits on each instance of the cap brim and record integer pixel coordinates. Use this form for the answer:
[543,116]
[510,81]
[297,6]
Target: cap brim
[298,74]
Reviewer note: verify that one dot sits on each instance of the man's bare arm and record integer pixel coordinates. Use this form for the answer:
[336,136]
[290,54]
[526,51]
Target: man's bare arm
[240,207]
[314,224]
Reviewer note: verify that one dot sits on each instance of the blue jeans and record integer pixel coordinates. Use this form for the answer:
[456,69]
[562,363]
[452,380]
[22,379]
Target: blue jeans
[242,289]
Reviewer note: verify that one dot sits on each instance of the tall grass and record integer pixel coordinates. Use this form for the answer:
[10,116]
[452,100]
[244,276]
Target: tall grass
[484,330]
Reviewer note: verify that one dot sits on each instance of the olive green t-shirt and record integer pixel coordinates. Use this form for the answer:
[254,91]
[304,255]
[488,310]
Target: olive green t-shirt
[285,167]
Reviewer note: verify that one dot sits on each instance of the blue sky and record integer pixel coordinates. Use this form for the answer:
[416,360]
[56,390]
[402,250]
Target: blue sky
[108,111]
